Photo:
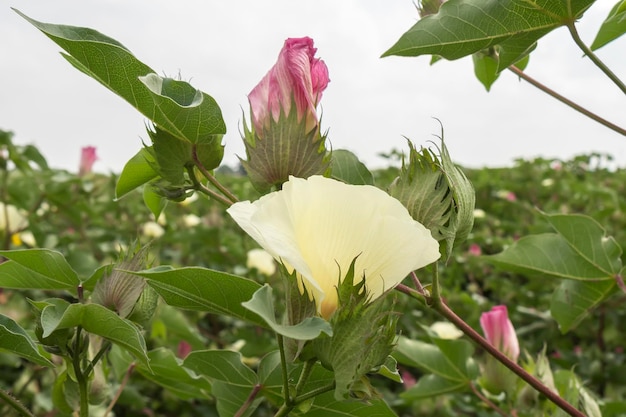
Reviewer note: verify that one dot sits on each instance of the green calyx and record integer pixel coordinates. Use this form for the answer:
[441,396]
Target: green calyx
[283,148]
[437,194]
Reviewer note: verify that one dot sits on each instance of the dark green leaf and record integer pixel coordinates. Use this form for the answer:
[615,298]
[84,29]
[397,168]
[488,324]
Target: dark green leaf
[463,27]
[572,301]
[41,269]
[429,386]
[325,405]
[14,339]
[346,167]
[613,26]
[137,171]
[262,304]
[230,398]
[221,365]
[205,290]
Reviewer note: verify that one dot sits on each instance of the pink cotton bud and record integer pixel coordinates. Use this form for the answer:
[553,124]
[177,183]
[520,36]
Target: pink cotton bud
[499,331]
[87,158]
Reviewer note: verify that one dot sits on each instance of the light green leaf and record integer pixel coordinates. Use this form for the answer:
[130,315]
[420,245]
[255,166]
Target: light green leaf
[137,171]
[41,269]
[572,301]
[485,68]
[463,27]
[431,385]
[205,290]
[106,60]
[613,26]
[168,371]
[14,339]
[389,370]
[452,362]
[155,203]
[95,319]
[221,365]
[326,405]
[346,167]
[263,305]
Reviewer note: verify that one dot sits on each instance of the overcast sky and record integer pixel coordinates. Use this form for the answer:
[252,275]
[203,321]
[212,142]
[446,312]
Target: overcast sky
[225,47]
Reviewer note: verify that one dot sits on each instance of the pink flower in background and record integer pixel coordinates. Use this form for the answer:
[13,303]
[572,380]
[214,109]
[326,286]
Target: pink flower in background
[499,331]
[475,250]
[297,77]
[87,158]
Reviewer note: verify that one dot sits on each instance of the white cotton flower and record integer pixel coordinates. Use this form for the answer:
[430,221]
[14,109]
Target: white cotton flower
[191,220]
[15,218]
[446,330]
[479,213]
[319,226]
[28,238]
[547,182]
[262,261]
[152,230]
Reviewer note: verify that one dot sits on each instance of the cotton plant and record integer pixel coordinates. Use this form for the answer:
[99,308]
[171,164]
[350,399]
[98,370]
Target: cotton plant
[346,251]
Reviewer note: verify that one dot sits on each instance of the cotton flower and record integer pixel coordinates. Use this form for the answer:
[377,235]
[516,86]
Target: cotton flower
[262,261]
[12,218]
[319,226]
[191,220]
[446,330]
[152,230]
[499,331]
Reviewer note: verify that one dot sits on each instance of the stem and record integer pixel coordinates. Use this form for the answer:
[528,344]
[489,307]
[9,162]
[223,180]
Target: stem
[436,294]
[593,57]
[486,400]
[314,393]
[201,188]
[567,101]
[105,346]
[283,365]
[445,311]
[304,375]
[120,389]
[80,377]
[230,196]
[15,403]
[255,391]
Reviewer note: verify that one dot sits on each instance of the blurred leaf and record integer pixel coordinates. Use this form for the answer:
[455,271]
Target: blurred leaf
[485,68]
[262,304]
[346,167]
[182,110]
[137,171]
[431,385]
[579,250]
[325,405]
[613,26]
[463,27]
[42,269]
[95,319]
[572,301]
[205,290]
[168,371]
[14,339]
[449,359]
[221,365]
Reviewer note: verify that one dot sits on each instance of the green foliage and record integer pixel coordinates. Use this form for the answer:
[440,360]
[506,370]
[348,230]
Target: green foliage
[613,26]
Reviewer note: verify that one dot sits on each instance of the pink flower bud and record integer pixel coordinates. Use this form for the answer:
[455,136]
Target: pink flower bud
[475,250]
[87,158]
[499,331]
[297,77]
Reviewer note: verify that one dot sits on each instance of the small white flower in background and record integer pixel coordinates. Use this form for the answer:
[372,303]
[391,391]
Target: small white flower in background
[319,226]
[479,213]
[13,217]
[446,330]
[28,239]
[191,220]
[162,220]
[548,182]
[262,261]
[189,200]
[152,230]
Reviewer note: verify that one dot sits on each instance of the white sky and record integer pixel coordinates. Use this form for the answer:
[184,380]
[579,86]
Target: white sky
[225,47]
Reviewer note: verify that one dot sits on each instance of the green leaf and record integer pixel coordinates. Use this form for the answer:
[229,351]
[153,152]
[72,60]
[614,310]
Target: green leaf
[137,171]
[572,301]
[205,290]
[14,339]
[95,319]
[485,68]
[41,269]
[175,106]
[346,167]
[463,27]
[613,26]
[221,365]
[308,329]
[155,203]
[450,359]
[579,250]
[390,370]
[230,398]
[168,371]
[431,385]
[326,405]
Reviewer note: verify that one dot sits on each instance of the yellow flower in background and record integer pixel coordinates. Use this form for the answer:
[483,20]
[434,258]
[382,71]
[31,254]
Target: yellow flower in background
[318,226]
[262,261]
